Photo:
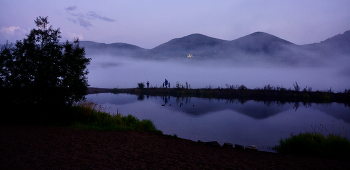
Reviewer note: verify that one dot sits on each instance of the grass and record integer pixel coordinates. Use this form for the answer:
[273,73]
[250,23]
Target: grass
[173,136]
[88,115]
[315,144]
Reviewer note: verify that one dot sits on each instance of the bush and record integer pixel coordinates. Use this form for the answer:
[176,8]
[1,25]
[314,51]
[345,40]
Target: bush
[315,144]
[242,87]
[141,85]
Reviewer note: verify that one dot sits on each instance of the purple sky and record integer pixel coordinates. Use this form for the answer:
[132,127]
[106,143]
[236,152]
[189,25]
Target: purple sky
[150,23]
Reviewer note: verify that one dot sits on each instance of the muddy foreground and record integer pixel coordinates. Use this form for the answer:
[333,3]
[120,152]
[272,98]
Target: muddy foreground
[40,147]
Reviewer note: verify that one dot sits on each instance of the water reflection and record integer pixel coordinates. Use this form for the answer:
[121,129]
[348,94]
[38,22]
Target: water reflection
[262,123]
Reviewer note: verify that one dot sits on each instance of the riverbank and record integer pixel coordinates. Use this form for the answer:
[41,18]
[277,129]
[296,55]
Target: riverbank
[243,94]
[94,90]
[54,147]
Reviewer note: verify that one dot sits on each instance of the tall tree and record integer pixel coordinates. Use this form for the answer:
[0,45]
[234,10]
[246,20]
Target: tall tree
[42,71]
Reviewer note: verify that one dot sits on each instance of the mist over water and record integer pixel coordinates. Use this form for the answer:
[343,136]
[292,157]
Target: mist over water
[121,72]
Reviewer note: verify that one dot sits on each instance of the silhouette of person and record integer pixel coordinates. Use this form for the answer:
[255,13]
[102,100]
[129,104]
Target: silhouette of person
[147,84]
[166,83]
[166,100]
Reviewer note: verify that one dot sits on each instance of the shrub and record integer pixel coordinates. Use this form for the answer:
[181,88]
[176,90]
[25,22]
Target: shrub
[141,85]
[242,87]
[315,144]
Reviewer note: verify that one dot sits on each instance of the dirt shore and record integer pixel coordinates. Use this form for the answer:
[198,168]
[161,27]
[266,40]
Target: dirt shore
[49,147]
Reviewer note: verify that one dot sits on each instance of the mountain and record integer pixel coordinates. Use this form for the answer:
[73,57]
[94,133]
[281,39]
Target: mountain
[201,47]
[336,45]
[196,45]
[260,43]
[253,47]
[115,49]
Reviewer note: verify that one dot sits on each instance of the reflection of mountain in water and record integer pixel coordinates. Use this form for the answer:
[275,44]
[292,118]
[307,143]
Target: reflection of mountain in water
[201,106]
[117,99]
[198,107]
[336,110]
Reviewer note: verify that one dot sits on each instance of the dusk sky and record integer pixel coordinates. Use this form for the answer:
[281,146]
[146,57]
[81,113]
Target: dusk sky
[150,23]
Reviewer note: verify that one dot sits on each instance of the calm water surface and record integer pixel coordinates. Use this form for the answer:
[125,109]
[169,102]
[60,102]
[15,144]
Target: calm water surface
[246,123]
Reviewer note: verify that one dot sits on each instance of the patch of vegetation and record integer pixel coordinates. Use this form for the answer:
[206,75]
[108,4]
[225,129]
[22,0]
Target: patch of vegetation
[316,144]
[173,136]
[88,115]
[141,85]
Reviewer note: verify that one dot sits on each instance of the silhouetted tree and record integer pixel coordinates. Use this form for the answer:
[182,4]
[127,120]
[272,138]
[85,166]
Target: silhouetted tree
[41,71]
[296,87]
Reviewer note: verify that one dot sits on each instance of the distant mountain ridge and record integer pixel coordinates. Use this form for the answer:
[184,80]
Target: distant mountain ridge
[339,43]
[258,45]
[118,49]
[260,42]
[194,44]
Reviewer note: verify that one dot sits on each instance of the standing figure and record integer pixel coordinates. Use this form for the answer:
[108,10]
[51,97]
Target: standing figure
[169,84]
[166,83]
[147,84]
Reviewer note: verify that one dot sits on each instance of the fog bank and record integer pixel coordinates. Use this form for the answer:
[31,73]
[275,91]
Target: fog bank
[119,72]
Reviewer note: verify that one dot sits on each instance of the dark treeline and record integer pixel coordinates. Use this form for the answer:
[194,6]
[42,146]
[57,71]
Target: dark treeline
[243,94]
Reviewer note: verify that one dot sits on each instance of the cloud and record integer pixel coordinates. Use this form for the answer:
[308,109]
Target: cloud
[84,23]
[71,8]
[109,64]
[12,33]
[77,15]
[9,30]
[72,20]
[82,19]
[93,15]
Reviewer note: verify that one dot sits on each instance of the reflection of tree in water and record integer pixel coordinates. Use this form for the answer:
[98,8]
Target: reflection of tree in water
[183,100]
[269,103]
[296,105]
[347,105]
[236,101]
[141,97]
[307,104]
[166,99]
